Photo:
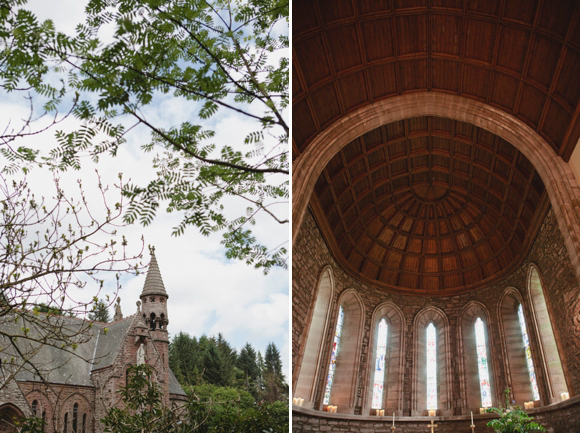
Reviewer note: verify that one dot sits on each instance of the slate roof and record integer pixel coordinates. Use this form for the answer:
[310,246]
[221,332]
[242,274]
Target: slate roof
[174,386]
[153,283]
[57,365]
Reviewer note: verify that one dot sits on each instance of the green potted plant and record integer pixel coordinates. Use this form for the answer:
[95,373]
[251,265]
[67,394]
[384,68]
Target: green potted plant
[512,419]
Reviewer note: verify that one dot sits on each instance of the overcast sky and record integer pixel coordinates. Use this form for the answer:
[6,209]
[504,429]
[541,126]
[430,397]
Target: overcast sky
[207,293]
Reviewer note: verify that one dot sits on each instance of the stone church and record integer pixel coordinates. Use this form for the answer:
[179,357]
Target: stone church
[78,390]
[436,213]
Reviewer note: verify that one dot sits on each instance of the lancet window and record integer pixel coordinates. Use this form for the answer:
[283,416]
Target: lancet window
[482,363]
[431,367]
[379,376]
[335,347]
[528,353]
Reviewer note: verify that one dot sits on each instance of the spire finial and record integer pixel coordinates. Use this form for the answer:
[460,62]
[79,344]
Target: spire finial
[153,282]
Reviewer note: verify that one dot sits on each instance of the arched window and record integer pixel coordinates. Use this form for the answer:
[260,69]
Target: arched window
[518,377]
[332,367]
[311,364]
[386,343]
[84,430]
[65,429]
[528,353]
[432,374]
[75,417]
[549,352]
[152,321]
[34,407]
[482,363]
[431,367]
[379,376]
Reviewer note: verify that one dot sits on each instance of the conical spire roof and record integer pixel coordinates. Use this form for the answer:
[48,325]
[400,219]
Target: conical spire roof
[153,282]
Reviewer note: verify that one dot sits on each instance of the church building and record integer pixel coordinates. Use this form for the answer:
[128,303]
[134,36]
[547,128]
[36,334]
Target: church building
[78,390]
[436,213]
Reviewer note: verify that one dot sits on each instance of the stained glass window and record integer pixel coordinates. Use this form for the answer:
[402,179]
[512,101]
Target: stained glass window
[528,353]
[332,367]
[431,367]
[482,364]
[380,365]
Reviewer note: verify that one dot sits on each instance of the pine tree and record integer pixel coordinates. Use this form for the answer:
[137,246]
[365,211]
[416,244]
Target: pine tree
[275,387]
[247,363]
[213,367]
[100,312]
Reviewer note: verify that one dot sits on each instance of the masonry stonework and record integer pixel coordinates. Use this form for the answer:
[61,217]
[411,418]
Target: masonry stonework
[548,253]
[79,400]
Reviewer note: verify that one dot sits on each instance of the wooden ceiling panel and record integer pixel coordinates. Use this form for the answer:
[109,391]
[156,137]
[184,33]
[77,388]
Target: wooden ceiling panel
[480,40]
[445,75]
[301,113]
[476,81]
[335,10]
[555,16]
[412,34]
[414,74]
[311,55]
[373,6]
[447,4]
[568,85]
[513,46]
[445,30]
[522,11]
[382,80]
[554,128]
[344,47]
[325,104]
[352,99]
[410,4]
[531,104]
[504,91]
[412,211]
[519,57]
[544,60]
[488,7]
[378,43]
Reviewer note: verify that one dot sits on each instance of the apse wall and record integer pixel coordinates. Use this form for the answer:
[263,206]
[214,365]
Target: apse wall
[561,289]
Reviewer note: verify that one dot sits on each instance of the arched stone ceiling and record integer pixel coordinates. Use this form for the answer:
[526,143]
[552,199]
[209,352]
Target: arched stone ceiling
[522,56]
[429,206]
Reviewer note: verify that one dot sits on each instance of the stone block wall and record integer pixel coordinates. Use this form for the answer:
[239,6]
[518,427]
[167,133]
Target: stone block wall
[548,254]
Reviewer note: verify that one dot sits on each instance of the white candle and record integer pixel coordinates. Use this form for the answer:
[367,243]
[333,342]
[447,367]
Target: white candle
[471,417]
[393,419]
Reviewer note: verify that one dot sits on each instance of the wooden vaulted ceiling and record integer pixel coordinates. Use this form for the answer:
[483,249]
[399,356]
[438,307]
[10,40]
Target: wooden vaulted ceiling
[432,205]
[521,56]
[429,205]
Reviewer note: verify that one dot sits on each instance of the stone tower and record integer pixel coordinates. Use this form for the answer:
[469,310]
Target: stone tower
[154,313]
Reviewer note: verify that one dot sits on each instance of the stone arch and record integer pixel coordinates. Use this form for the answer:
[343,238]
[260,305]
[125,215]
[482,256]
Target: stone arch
[423,318]
[394,363]
[556,174]
[469,372]
[344,388]
[8,413]
[44,406]
[549,352]
[84,407]
[516,369]
[313,338]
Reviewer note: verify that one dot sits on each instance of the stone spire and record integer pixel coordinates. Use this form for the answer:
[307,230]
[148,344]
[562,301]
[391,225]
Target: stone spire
[153,282]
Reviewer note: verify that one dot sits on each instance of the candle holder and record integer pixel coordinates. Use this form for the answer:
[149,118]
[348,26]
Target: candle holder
[432,426]
[393,429]
[472,428]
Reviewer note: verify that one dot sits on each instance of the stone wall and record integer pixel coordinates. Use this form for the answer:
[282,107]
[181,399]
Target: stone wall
[563,417]
[548,253]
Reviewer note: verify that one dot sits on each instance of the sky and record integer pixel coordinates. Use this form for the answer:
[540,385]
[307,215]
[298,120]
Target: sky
[207,292]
